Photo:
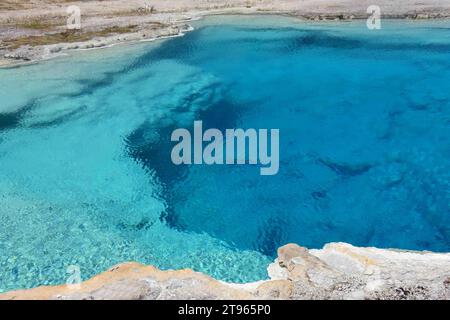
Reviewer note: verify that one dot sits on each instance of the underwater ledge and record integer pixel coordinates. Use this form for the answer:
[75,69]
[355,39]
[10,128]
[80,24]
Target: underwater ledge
[339,271]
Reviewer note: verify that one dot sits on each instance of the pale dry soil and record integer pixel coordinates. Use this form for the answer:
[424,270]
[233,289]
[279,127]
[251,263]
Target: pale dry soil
[37,29]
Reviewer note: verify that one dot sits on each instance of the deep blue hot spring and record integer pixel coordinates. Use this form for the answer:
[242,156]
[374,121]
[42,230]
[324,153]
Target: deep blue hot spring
[364,116]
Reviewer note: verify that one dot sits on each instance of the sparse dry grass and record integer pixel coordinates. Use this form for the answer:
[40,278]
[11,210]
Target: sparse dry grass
[37,24]
[65,37]
[12,5]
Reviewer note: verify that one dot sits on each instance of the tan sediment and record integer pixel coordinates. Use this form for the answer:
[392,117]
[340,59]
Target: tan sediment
[124,275]
[338,271]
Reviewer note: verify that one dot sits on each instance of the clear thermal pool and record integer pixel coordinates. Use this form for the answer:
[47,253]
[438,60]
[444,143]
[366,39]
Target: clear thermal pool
[364,118]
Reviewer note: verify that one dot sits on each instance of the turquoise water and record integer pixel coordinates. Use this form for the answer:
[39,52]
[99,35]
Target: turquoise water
[364,118]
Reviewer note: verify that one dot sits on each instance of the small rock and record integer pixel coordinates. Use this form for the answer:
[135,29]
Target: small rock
[277,289]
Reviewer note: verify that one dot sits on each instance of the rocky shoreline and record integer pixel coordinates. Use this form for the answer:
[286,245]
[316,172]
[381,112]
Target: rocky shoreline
[31,32]
[31,54]
[339,271]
